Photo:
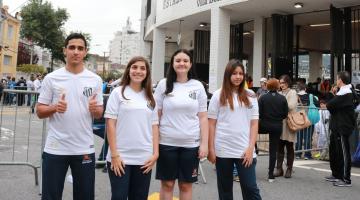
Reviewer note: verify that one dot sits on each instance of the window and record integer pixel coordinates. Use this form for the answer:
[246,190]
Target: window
[7,60]
[10,32]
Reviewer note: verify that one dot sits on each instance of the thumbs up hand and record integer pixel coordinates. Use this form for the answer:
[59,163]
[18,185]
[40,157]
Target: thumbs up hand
[61,106]
[93,104]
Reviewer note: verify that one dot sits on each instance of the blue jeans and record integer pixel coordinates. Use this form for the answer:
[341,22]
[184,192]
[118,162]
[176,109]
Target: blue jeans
[305,136]
[99,130]
[224,172]
[133,185]
[54,168]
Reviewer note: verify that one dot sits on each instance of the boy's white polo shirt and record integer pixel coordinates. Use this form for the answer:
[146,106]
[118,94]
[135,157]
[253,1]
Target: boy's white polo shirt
[71,133]
[232,132]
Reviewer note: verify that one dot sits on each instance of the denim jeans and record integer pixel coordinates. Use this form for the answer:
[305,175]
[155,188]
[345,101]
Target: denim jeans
[224,172]
[306,136]
[99,130]
[54,168]
[133,185]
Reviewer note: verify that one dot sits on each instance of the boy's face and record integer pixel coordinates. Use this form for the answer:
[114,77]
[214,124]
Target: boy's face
[322,105]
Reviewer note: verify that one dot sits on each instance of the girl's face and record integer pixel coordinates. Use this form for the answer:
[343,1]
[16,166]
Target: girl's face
[137,72]
[182,63]
[237,77]
[283,84]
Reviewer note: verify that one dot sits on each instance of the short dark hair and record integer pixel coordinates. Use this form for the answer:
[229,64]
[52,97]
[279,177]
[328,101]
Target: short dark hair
[344,76]
[286,79]
[75,36]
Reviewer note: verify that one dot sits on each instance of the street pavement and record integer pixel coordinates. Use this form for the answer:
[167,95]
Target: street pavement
[17,182]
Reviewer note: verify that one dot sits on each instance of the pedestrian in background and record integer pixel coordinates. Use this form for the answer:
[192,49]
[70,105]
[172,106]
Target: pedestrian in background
[273,109]
[288,137]
[233,129]
[133,133]
[304,136]
[182,107]
[263,89]
[342,124]
[70,97]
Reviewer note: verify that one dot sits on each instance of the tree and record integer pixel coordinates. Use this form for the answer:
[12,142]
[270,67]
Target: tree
[43,25]
[31,69]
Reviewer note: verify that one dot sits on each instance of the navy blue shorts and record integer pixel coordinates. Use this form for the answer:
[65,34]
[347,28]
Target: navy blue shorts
[177,163]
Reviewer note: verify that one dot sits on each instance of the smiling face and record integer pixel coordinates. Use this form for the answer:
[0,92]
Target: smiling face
[283,84]
[237,77]
[137,72]
[75,52]
[182,63]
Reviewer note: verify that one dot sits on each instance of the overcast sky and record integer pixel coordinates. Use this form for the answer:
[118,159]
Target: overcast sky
[99,18]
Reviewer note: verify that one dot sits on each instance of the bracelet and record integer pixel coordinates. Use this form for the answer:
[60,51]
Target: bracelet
[116,156]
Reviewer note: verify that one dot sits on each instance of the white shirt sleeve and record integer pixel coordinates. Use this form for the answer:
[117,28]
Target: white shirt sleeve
[159,94]
[155,116]
[46,92]
[214,106]
[112,106]
[202,100]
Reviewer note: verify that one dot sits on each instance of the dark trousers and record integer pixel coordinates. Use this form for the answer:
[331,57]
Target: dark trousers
[133,185]
[100,130]
[339,154]
[224,172]
[304,135]
[289,152]
[274,139]
[54,168]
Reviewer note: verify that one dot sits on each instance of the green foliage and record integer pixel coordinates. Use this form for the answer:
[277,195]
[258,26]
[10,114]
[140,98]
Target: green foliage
[110,75]
[31,69]
[43,25]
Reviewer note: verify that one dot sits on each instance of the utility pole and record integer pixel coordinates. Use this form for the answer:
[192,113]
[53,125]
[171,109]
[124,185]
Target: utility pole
[104,67]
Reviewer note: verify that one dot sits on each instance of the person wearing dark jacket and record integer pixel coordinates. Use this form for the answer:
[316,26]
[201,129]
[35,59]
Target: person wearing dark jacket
[342,123]
[273,109]
[305,135]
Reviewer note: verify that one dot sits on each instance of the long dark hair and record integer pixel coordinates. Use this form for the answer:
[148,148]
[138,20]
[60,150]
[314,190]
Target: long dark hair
[146,83]
[226,95]
[171,74]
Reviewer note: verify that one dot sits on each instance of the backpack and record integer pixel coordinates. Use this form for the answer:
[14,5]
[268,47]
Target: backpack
[313,112]
[356,99]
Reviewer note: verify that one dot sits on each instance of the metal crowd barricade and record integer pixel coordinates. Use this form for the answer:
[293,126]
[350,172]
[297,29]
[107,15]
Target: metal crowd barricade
[21,132]
[306,139]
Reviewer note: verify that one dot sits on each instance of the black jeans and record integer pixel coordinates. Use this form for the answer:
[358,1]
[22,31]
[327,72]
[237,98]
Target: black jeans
[133,185]
[224,172]
[339,155]
[54,168]
[274,139]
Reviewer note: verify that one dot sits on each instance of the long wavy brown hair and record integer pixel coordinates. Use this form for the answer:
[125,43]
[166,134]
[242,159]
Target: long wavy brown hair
[146,83]
[226,95]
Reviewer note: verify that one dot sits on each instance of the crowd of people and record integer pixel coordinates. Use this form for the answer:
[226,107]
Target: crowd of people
[173,128]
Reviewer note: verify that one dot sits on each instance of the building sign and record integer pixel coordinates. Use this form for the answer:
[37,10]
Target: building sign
[205,2]
[169,3]
[355,79]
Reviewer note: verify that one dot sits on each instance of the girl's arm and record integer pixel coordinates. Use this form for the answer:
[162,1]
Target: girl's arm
[117,164]
[204,131]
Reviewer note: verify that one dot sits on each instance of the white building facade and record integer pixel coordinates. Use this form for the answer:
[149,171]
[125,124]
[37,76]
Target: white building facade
[125,45]
[276,30]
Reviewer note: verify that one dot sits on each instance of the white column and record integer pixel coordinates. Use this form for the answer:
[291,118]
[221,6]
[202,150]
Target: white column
[219,46]
[315,64]
[259,50]
[158,55]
